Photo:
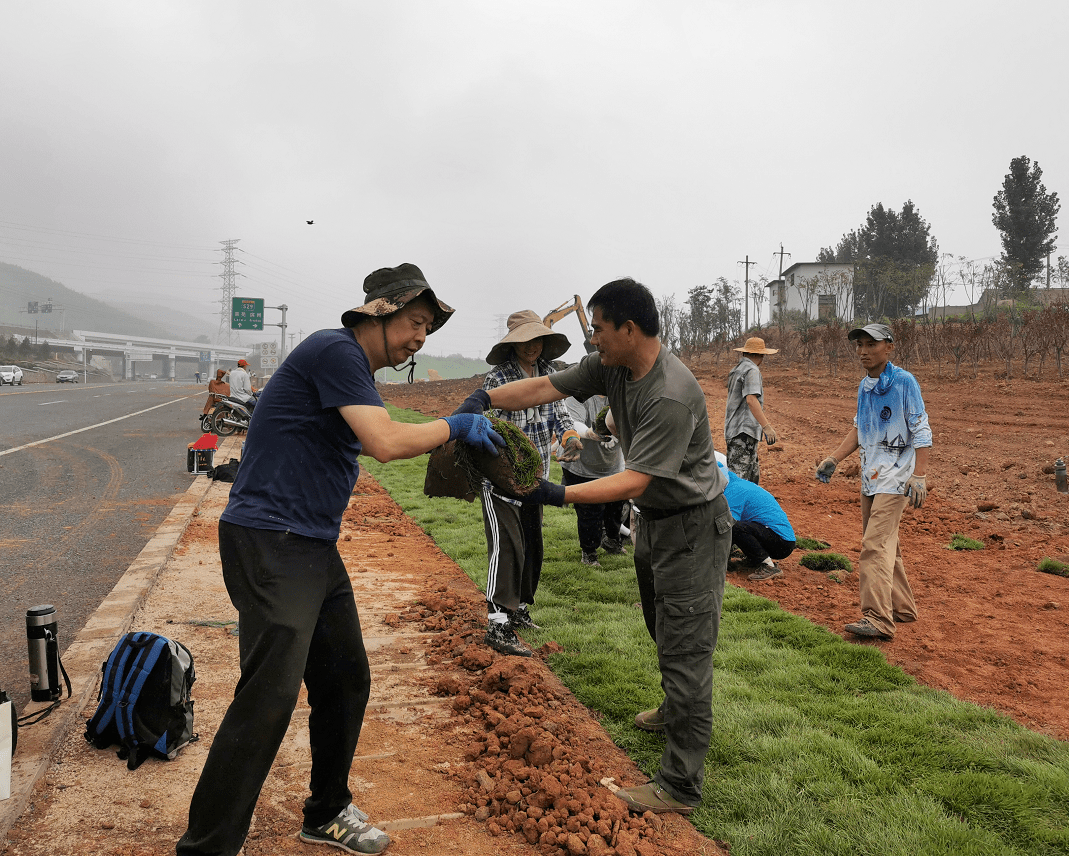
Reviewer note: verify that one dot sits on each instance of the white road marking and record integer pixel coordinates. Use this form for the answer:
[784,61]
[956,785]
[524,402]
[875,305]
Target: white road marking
[57,401]
[90,427]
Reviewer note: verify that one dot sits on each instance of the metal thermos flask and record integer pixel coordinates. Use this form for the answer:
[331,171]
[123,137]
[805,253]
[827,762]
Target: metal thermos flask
[43,646]
[1059,476]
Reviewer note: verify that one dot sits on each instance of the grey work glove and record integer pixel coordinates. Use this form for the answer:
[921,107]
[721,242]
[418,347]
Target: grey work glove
[570,450]
[917,490]
[826,468]
[770,435]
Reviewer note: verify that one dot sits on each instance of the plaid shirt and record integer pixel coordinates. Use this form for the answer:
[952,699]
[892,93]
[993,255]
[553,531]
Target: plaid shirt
[538,423]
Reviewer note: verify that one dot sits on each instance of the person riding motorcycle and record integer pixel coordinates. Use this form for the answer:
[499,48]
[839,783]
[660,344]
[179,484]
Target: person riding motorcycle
[218,389]
[241,385]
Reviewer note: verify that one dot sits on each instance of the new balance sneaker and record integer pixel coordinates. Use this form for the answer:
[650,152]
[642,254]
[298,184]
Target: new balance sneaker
[501,637]
[349,831]
[521,620]
[590,559]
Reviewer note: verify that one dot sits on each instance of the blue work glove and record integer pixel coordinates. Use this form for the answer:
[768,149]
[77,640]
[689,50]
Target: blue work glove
[477,402]
[475,430]
[547,493]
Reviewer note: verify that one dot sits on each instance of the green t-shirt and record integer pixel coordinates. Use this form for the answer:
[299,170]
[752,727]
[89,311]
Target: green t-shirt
[662,423]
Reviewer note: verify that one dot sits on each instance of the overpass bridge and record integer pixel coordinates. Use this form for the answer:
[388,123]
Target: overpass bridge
[135,356]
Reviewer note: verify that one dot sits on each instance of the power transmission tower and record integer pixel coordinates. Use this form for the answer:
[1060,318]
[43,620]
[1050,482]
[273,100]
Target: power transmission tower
[229,290]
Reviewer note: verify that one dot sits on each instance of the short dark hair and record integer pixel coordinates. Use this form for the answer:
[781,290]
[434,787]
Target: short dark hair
[625,300]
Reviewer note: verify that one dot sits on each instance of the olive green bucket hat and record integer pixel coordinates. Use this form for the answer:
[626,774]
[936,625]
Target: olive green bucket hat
[389,289]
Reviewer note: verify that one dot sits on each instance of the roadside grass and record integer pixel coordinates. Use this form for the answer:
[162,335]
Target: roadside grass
[819,745]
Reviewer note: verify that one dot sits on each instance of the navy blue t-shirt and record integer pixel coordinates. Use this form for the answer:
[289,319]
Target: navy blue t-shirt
[299,464]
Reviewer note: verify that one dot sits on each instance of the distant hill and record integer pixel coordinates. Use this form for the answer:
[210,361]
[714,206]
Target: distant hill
[451,367]
[73,310]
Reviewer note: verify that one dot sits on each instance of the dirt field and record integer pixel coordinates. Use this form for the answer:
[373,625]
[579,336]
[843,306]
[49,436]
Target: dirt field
[992,629]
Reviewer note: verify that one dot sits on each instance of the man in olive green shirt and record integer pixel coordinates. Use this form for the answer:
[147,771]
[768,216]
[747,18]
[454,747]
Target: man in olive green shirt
[683,533]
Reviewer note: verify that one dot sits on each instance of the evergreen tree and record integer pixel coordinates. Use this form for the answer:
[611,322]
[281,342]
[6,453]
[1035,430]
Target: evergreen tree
[1026,216]
[894,257]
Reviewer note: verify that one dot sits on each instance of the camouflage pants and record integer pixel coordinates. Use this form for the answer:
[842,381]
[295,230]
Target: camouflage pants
[742,457]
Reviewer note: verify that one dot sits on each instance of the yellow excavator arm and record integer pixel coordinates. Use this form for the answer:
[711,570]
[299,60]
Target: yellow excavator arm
[565,309]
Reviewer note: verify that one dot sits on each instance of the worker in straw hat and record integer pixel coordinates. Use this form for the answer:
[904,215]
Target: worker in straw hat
[514,531]
[278,545]
[744,418]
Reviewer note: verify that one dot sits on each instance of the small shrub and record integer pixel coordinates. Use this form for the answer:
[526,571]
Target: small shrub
[810,544]
[826,562]
[1053,566]
[961,542]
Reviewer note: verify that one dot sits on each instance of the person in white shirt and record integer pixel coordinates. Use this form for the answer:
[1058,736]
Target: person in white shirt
[240,382]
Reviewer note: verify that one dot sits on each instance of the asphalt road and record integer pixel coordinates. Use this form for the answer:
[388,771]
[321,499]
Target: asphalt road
[76,510]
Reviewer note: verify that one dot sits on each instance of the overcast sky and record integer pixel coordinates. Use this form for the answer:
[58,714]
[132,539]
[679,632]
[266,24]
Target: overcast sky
[519,153]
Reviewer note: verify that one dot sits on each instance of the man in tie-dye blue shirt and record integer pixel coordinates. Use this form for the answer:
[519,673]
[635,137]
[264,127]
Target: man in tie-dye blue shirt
[891,429]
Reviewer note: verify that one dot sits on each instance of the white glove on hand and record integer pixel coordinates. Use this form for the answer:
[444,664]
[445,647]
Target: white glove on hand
[917,490]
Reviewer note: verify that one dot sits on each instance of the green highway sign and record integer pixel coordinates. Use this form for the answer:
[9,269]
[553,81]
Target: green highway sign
[247,313]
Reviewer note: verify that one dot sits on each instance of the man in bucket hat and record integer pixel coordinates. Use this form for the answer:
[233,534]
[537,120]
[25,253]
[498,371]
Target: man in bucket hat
[744,418]
[514,531]
[278,545]
[891,429]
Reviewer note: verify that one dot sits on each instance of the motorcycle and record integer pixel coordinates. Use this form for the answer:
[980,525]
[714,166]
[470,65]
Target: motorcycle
[206,418]
[231,415]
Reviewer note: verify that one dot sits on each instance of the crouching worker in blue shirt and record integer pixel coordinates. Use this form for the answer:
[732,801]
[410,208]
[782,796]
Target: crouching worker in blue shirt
[762,530]
[278,545]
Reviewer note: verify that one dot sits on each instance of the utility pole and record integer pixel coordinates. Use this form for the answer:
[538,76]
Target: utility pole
[746,293]
[229,290]
[779,279]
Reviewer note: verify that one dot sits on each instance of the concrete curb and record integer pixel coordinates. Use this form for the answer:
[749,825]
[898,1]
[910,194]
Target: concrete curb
[95,641]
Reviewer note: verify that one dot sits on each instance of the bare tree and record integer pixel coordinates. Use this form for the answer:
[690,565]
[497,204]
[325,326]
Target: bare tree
[954,337]
[904,331]
[1057,323]
[669,316]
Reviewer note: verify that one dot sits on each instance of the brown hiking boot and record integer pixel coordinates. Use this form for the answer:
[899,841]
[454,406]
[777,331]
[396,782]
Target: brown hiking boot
[652,797]
[651,720]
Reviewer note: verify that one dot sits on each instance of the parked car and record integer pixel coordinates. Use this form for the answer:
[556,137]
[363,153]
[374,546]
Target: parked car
[67,376]
[11,375]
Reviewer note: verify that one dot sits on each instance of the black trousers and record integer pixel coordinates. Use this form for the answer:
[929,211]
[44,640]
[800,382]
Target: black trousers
[514,551]
[759,542]
[593,520]
[298,622]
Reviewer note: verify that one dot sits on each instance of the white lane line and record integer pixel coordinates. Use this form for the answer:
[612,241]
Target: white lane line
[91,427]
[57,401]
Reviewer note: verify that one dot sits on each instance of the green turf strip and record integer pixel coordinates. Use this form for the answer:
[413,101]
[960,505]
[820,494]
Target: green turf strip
[819,747]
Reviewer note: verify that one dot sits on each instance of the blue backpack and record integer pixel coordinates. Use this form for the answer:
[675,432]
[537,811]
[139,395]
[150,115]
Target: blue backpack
[144,701]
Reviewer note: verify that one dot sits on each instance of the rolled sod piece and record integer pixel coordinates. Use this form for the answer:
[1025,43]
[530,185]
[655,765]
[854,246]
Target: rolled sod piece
[457,469]
[600,426]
